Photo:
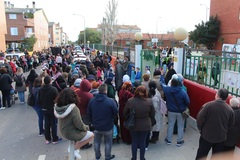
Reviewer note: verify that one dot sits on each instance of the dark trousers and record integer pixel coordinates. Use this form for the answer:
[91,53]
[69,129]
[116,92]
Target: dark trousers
[6,98]
[215,78]
[138,140]
[50,126]
[205,147]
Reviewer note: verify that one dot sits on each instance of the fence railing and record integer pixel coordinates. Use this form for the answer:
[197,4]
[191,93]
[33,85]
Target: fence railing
[215,72]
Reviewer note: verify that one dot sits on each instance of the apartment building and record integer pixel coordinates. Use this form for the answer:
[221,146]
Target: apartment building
[3,28]
[26,22]
[56,35]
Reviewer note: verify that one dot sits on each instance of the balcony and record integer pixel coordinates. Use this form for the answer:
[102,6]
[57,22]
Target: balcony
[28,34]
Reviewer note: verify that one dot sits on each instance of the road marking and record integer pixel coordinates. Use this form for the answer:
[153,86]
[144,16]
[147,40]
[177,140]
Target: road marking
[42,157]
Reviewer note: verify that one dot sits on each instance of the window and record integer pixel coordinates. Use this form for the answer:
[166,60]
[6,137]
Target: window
[238,41]
[128,43]
[29,30]
[14,31]
[12,16]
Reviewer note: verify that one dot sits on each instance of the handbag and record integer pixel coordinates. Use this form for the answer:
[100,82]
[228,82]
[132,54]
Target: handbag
[129,122]
[185,114]
[31,100]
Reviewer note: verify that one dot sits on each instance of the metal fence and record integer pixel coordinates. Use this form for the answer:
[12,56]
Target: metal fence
[214,71]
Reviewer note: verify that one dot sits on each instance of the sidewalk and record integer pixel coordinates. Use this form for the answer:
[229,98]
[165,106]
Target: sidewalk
[158,151]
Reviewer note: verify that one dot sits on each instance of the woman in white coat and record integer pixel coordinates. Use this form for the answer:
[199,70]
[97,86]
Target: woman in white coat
[156,99]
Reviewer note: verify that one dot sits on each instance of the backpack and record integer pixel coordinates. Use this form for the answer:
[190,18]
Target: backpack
[19,81]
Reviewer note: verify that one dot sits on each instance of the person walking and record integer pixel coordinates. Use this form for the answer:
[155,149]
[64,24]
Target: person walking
[215,71]
[177,102]
[47,96]
[214,120]
[20,85]
[144,112]
[101,111]
[70,121]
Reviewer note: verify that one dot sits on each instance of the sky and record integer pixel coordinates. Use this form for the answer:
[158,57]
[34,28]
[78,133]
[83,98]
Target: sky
[152,16]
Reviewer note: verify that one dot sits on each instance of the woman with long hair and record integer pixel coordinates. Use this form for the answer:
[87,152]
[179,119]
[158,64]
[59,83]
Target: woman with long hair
[36,87]
[20,86]
[155,95]
[70,121]
[30,79]
[124,95]
[144,112]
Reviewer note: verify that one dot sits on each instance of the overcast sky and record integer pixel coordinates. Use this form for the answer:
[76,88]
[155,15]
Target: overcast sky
[145,14]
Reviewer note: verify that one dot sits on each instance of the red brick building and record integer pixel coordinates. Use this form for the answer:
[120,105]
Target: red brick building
[229,15]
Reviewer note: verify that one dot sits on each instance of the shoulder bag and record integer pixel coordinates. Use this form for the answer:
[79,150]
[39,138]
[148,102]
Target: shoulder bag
[185,114]
[129,122]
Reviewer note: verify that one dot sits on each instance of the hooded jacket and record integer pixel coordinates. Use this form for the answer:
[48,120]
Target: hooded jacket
[101,112]
[180,95]
[84,95]
[47,95]
[70,122]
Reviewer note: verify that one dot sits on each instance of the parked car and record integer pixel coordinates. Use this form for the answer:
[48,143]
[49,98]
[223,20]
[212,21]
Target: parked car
[79,56]
[13,52]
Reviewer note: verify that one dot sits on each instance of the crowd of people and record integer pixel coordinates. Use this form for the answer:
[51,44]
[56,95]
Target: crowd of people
[91,99]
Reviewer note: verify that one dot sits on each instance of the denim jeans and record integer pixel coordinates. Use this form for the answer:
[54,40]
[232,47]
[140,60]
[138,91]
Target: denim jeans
[108,136]
[21,96]
[172,117]
[139,140]
[39,112]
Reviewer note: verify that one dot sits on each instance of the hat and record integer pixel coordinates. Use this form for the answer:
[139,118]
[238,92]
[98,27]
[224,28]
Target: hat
[90,77]
[77,82]
[95,85]
[126,78]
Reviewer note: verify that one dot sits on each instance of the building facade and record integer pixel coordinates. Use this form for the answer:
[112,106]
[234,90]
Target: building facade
[3,28]
[229,15]
[26,22]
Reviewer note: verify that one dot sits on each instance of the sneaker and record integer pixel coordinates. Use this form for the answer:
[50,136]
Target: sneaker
[41,135]
[59,140]
[77,154]
[2,108]
[167,141]
[112,156]
[48,142]
[179,144]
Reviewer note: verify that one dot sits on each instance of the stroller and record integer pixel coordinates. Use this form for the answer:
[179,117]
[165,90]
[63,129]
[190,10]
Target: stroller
[13,97]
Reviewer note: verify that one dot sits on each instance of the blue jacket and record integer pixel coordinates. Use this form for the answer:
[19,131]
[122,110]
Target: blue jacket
[101,111]
[179,93]
[138,75]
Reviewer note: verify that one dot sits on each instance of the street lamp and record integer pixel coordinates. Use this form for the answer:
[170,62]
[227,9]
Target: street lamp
[157,26]
[138,36]
[84,29]
[206,9]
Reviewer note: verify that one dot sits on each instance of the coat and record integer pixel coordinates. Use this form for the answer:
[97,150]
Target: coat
[214,119]
[156,99]
[70,122]
[22,88]
[144,111]
[119,72]
[5,82]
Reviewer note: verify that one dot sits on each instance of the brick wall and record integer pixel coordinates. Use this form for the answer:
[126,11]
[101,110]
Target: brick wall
[228,13]
[3,29]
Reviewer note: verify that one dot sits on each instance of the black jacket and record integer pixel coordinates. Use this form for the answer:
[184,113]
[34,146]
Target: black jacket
[47,95]
[5,82]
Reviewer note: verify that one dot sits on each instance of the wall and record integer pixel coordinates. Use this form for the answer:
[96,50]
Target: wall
[199,95]
[3,28]
[228,13]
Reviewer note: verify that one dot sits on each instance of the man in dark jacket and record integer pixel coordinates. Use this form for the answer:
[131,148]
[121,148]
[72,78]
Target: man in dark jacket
[214,120]
[177,102]
[47,95]
[102,111]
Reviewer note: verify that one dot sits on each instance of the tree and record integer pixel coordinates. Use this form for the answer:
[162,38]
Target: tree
[109,22]
[206,33]
[29,42]
[92,35]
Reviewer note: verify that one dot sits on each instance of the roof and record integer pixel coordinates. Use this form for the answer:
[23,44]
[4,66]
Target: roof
[20,10]
[146,36]
[133,27]
[51,23]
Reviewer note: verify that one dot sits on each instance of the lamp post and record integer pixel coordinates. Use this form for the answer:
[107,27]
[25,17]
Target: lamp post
[138,36]
[84,29]
[157,26]
[206,9]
